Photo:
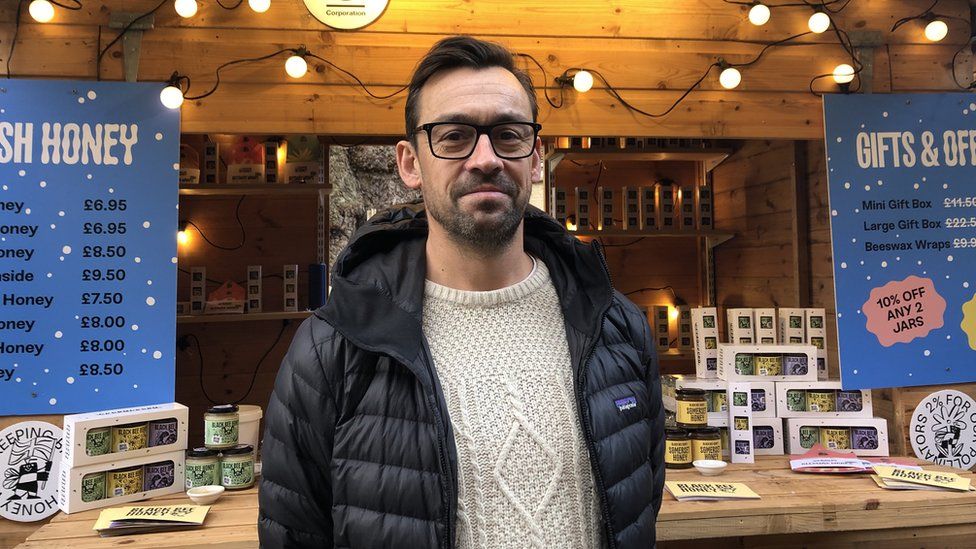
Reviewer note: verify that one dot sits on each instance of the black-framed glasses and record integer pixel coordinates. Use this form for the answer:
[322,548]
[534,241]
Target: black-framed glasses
[457,140]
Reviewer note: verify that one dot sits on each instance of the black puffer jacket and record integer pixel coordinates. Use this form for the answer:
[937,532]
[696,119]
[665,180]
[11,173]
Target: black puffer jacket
[358,449]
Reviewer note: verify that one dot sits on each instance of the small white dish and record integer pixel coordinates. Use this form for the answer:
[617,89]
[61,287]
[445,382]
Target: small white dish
[205,495]
[710,467]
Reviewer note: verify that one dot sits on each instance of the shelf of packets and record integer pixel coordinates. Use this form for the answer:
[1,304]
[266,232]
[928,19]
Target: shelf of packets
[118,456]
[764,344]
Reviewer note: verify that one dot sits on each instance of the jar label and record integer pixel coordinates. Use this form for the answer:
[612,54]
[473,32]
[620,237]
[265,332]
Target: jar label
[125,482]
[98,442]
[692,412]
[677,451]
[221,432]
[236,474]
[93,487]
[706,449]
[820,402]
[201,475]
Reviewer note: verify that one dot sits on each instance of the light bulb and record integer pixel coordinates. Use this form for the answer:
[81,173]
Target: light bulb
[296,67]
[185,8]
[730,78]
[41,10]
[259,6]
[171,97]
[759,14]
[843,73]
[673,313]
[182,238]
[583,81]
[936,30]
[819,22]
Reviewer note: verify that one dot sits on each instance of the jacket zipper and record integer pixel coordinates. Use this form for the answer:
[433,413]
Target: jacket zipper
[441,453]
[585,420]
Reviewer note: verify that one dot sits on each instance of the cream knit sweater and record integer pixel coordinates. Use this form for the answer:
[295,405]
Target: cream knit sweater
[524,472]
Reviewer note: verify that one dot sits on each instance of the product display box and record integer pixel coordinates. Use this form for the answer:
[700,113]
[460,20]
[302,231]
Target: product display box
[762,395]
[740,422]
[823,373]
[77,427]
[254,293]
[198,290]
[704,324]
[686,340]
[740,327]
[607,203]
[558,198]
[767,362]
[764,323]
[290,287]
[822,399]
[767,436]
[582,209]
[650,209]
[70,482]
[631,205]
[866,436]
[661,323]
[791,326]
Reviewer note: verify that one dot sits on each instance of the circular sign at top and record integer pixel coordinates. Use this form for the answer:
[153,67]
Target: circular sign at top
[30,456]
[346,14]
[943,429]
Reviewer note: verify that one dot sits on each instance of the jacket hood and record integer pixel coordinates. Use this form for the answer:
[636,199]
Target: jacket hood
[378,279]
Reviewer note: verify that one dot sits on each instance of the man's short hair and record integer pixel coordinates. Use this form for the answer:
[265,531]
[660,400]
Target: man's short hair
[462,52]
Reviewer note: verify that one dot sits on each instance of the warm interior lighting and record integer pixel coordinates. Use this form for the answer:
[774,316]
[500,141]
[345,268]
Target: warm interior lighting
[182,237]
[759,14]
[259,6]
[41,10]
[171,97]
[571,223]
[673,313]
[819,22]
[843,73]
[730,78]
[296,67]
[185,8]
[583,81]
[936,30]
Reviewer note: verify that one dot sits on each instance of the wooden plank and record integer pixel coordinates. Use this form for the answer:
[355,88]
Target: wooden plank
[705,19]
[389,58]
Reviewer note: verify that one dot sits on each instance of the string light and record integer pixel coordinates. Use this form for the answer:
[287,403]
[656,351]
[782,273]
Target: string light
[730,77]
[759,14]
[936,30]
[843,73]
[259,6]
[41,10]
[818,22]
[185,8]
[181,236]
[296,66]
[583,81]
[171,97]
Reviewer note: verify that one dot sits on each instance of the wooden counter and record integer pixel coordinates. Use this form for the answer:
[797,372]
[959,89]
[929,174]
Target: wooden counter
[819,510]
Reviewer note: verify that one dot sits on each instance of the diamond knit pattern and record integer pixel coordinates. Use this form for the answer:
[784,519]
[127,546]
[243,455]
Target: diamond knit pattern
[524,472]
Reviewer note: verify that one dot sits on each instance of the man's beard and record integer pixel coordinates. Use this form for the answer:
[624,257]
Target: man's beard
[484,236]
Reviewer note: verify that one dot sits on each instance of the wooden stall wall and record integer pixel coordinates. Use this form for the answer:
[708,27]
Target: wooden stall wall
[651,50]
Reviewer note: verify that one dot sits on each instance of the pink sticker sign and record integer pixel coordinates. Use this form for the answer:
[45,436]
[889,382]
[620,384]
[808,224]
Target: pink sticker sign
[903,310]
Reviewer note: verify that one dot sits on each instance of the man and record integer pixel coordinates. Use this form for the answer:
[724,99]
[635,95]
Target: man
[474,380]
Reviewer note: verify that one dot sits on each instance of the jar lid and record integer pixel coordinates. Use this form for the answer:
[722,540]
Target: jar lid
[222,409]
[201,452]
[670,432]
[132,425]
[691,392]
[705,432]
[240,449]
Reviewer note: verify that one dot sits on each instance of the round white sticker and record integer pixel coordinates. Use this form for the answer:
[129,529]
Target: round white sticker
[30,455]
[346,14]
[943,429]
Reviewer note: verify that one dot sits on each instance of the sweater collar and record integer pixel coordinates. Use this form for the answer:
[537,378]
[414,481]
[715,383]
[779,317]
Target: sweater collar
[378,280]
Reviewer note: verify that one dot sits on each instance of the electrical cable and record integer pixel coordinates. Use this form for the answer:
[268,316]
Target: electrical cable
[13,41]
[234,7]
[545,84]
[649,289]
[358,81]
[177,77]
[237,214]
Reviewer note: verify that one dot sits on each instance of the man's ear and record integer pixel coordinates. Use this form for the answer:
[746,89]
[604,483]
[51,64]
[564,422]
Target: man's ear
[408,164]
[537,160]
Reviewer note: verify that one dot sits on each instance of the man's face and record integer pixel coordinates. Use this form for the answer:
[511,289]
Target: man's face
[478,201]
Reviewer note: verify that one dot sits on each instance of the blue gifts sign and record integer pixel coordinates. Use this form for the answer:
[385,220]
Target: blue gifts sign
[902,186]
[88,221]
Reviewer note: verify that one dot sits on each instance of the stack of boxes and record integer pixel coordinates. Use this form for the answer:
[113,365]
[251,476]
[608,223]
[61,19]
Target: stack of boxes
[118,456]
[664,206]
[792,405]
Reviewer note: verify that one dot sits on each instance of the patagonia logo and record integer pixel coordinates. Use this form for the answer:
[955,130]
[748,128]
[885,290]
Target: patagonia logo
[625,403]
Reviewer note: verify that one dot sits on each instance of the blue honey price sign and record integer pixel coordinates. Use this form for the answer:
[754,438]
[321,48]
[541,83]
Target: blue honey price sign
[88,218]
[902,185]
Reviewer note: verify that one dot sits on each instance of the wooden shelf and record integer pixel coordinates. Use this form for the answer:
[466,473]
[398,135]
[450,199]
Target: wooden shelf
[246,317]
[257,189]
[710,157]
[714,238]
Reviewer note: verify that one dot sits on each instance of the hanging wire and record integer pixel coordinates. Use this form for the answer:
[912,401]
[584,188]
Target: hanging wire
[13,41]
[545,82]
[358,81]
[237,214]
